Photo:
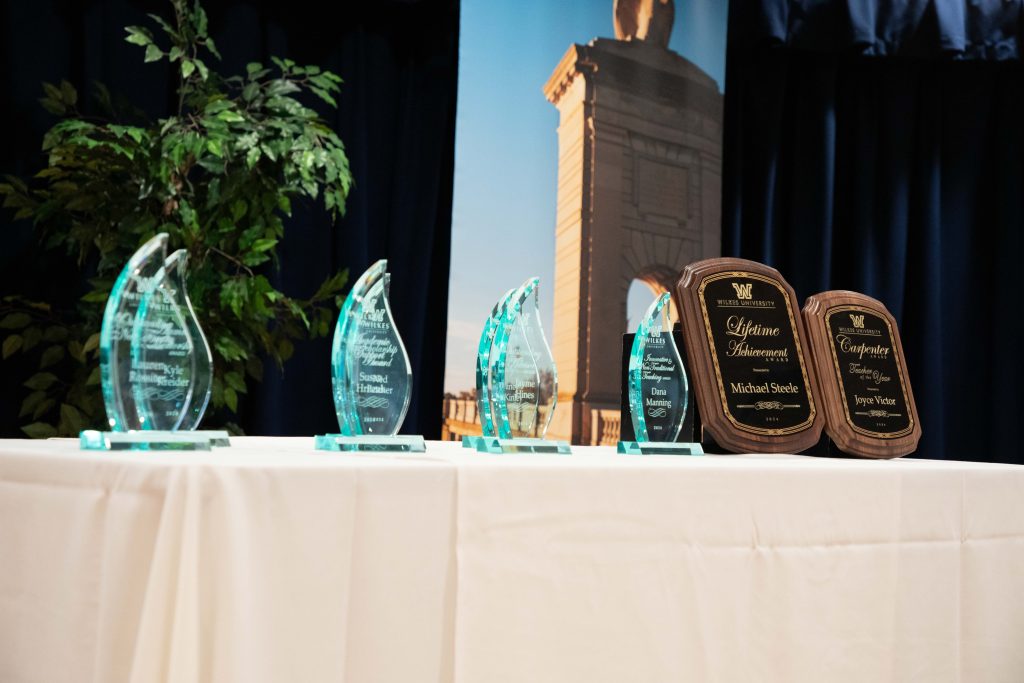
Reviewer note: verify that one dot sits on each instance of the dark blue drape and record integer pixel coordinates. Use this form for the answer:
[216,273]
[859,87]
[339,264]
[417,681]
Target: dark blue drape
[399,59]
[880,148]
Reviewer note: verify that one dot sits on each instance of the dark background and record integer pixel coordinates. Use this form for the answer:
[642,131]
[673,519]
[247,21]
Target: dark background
[396,116]
[872,146]
[879,147]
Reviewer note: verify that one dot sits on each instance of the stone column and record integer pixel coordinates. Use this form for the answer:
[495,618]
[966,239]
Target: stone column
[639,187]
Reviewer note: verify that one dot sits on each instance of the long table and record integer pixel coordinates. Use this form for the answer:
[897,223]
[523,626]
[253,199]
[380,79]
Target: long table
[269,561]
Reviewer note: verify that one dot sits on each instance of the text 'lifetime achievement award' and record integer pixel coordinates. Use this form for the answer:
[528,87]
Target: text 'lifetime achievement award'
[746,344]
[156,369]
[657,387]
[370,372]
[516,379]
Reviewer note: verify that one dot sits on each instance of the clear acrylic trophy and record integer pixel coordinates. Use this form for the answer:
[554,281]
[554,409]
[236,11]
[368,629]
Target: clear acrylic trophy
[657,387]
[483,384]
[370,372]
[156,370]
[517,383]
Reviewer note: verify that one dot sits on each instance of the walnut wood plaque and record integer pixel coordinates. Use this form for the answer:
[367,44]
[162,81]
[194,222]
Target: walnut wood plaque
[868,404]
[755,386]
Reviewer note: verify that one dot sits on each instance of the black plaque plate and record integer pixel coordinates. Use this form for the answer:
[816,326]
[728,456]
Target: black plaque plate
[756,353]
[869,372]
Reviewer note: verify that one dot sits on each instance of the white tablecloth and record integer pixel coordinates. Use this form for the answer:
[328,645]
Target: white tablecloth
[271,562]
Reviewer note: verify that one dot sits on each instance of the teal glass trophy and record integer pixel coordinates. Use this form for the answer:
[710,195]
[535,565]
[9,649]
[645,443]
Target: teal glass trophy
[482,371]
[657,387]
[517,383]
[156,370]
[370,372]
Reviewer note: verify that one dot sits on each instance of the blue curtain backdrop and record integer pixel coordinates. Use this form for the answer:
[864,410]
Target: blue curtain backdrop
[396,116]
[879,147]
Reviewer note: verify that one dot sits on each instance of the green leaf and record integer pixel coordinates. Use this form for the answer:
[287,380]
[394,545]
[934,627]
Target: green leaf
[254,368]
[33,335]
[229,349]
[92,342]
[31,402]
[12,344]
[53,106]
[214,146]
[70,95]
[15,321]
[235,381]
[163,24]
[187,67]
[41,381]
[56,334]
[204,72]
[284,204]
[43,408]
[138,35]
[76,351]
[230,116]
[281,86]
[51,356]
[53,92]
[264,244]
[285,348]
[231,399]
[94,378]
[199,19]
[175,53]
[252,156]
[39,430]
[212,47]
[153,53]
[96,297]
[324,95]
[71,419]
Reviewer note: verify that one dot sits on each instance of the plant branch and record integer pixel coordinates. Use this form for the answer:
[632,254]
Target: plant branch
[234,260]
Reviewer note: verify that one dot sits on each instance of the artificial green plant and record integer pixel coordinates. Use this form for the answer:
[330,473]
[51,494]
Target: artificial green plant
[219,176]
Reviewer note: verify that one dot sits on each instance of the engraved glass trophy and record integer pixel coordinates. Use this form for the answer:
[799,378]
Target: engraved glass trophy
[657,387]
[156,370]
[370,372]
[517,383]
[483,384]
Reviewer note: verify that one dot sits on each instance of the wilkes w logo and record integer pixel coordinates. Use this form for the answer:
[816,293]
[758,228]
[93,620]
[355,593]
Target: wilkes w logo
[743,291]
[858,321]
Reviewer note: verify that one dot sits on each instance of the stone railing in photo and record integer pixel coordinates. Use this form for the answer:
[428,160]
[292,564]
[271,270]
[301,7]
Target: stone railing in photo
[461,418]
[605,425]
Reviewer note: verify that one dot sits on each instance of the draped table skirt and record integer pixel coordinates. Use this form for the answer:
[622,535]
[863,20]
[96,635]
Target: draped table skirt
[269,561]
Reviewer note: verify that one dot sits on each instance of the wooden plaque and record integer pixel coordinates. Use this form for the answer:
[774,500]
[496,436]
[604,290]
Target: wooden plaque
[868,404]
[755,387]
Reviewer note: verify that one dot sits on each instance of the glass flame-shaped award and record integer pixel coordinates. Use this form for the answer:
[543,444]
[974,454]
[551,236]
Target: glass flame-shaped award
[370,372]
[156,370]
[518,386]
[482,371]
[657,388]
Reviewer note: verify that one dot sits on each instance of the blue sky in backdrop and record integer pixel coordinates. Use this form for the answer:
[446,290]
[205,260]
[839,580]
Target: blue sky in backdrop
[506,147]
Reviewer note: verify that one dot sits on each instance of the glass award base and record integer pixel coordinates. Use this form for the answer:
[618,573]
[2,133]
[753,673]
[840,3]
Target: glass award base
[152,440]
[492,444]
[369,443]
[659,448]
[472,441]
